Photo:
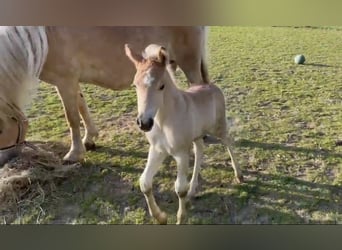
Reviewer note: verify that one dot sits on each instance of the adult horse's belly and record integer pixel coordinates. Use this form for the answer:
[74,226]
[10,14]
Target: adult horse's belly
[96,54]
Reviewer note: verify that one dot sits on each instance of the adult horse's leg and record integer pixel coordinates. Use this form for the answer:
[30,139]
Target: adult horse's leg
[154,161]
[89,126]
[192,57]
[70,99]
[190,64]
[181,184]
[198,150]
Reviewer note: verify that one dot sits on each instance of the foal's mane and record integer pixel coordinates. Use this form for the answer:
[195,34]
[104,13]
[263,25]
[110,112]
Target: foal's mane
[171,74]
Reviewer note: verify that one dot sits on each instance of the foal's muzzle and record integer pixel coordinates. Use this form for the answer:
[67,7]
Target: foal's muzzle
[145,125]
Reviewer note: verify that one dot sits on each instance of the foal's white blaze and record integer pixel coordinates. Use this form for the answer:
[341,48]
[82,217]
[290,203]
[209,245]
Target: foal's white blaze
[148,98]
[149,79]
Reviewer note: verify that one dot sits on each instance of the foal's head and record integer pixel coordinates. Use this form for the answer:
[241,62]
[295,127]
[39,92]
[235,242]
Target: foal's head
[148,80]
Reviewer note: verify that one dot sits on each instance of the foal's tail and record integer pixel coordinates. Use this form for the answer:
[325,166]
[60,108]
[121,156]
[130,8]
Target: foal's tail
[23,51]
[204,55]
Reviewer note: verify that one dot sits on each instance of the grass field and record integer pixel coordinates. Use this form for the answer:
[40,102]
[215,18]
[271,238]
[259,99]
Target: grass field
[285,118]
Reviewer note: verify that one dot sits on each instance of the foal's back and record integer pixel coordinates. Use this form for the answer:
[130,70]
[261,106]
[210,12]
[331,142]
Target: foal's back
[207,107]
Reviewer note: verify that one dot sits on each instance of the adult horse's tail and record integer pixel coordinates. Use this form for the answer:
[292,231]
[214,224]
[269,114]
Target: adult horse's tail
[204,55]
[23,51]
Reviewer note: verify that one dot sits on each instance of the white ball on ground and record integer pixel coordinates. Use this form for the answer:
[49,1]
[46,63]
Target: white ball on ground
[299,59]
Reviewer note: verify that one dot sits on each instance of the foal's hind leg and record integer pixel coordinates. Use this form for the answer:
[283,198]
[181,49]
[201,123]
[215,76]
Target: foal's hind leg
[198,150]
[222,133]
[89,126]
[154,161]
[228,142]
[69,97]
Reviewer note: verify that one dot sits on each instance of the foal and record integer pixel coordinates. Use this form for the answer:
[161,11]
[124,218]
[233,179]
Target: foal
[174,119]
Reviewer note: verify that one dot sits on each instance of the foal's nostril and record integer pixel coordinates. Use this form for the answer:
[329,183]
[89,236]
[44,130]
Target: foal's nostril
[150,123]
[145,126]
[139,122]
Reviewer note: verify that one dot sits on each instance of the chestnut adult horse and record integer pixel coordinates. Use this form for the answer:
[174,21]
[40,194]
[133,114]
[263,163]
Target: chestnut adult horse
[96,55]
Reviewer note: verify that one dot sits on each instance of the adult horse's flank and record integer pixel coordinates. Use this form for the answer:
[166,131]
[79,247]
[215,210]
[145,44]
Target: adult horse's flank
[23,51]
[174,120]
[88,54]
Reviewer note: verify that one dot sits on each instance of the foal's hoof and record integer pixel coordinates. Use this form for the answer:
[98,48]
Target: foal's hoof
[162,218]
[181,220]
[90,146]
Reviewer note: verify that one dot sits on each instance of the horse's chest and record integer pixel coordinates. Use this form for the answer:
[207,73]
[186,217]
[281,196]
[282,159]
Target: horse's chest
[164,142]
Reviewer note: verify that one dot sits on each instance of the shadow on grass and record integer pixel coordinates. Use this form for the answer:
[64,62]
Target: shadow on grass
[115,151]
[263,199]
[320,65]
[275,146]
[61,149]
[271,199]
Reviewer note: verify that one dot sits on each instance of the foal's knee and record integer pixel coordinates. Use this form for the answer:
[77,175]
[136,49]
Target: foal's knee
[181,188]
[145,186]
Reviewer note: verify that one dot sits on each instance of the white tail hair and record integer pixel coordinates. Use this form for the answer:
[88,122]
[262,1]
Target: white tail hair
[23,51]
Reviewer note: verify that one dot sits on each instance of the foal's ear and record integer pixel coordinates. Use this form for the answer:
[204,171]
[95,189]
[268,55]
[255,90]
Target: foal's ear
[134,57]
[163,56]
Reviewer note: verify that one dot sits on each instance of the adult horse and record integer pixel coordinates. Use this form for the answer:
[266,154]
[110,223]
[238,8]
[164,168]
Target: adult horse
[95,55]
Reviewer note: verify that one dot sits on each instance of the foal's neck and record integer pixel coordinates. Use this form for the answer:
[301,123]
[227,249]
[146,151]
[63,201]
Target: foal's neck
[172,96]
[172,92]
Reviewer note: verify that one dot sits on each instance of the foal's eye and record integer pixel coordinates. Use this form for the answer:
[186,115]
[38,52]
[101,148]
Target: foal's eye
[161,87]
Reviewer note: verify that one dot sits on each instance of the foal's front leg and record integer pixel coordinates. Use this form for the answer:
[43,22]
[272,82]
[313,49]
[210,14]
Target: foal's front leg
[154,161]
[181,184]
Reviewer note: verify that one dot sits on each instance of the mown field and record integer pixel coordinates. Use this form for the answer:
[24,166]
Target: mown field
[286,120]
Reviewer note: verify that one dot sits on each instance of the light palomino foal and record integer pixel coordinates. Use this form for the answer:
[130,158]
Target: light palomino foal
[174,120]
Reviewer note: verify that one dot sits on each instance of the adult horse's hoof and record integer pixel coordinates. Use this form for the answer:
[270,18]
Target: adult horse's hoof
[90,146]
[208,139]
[71,158]
[8,154]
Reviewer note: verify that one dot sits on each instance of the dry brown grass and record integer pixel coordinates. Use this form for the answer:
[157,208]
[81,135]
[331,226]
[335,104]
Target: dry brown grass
[22,179]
